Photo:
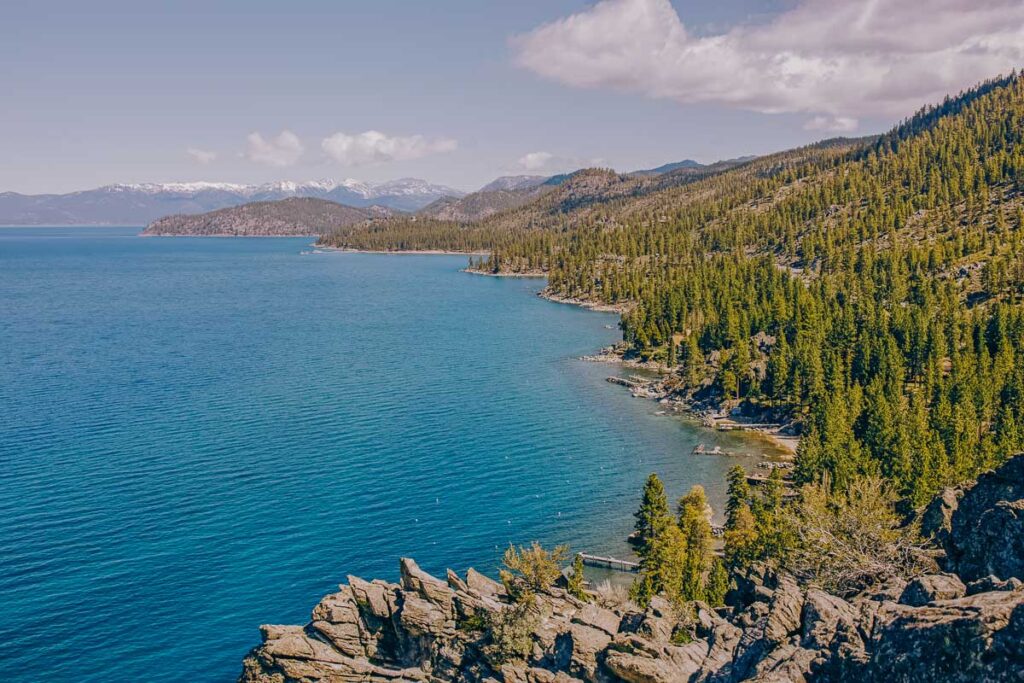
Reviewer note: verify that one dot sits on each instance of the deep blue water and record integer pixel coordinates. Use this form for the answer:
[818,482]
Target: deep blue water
[201,435]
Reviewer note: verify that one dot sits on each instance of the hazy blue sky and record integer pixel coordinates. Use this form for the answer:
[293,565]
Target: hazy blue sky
[461,91]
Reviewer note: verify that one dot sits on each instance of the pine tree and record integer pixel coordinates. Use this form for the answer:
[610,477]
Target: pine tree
[576,585]
[653,516]
[662,570]
[718,584]
[670,359]
[741,539]
[738,494]
[696,531]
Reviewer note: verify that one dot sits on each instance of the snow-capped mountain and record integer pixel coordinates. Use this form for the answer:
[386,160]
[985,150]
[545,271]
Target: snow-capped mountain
[142,203]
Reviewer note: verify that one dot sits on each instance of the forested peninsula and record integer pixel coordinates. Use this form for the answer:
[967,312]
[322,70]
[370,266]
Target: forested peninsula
[868,292]
[292,217]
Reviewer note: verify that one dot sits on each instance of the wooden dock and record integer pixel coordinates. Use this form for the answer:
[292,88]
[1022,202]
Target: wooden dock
[610,563]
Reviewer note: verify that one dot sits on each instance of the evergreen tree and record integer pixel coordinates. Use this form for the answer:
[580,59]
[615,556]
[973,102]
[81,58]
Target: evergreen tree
[718,584]
[576,585]
[696,531]
[661,571]
[653,516]
[738,494]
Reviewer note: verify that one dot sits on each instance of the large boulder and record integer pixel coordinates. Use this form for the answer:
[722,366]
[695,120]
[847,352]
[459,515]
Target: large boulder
[987,530]
[931,587]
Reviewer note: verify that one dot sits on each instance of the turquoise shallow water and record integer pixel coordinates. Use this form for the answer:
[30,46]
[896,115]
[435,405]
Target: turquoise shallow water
[201,435]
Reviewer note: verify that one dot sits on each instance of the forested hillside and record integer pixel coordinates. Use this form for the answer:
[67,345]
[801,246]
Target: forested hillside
[870,288]
[293,216]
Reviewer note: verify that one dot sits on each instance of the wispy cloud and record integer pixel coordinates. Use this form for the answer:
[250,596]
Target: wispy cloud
[835,124]
[546,162]
[284,150]
[837,60]
[374,147]
[201,156]
[535,161]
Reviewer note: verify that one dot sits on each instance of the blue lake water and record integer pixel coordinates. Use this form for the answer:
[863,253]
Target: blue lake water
[198,436]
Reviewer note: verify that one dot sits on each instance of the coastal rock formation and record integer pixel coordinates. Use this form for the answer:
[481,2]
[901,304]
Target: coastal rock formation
[937,627]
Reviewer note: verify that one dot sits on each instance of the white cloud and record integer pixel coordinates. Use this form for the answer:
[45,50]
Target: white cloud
[834,59]
[283,150]
[201,156]
[535,161]
[546,162]
[374,147]
[836,124]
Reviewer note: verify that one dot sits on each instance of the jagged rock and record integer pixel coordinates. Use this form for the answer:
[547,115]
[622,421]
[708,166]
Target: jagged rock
[483,585]
[975,638]
[722,638]
[376,597]
[937,518]
[932,587]
[991,583]
[289,654]
[987,533]
[784,613]
[456,583]
[887,591]
[432,589]
[585,645]
[825,618]
[787,664]
[423,618]
[598,618]
[337,619]
[658,622]
[635,668]
[748,586]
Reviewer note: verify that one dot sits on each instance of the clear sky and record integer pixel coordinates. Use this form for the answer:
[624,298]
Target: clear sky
[461,91]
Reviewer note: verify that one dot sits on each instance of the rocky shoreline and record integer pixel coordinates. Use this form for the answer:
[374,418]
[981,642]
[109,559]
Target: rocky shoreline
[584,303]
[399,252]
[529,274]
[963,621]
[712,415]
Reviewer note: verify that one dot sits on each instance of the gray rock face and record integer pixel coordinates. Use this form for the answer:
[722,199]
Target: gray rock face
[976,638]
[937,518]
[987,529]
[926,589]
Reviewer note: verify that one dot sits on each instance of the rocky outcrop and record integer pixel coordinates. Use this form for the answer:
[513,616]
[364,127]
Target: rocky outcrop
[940,627]
[424,629]
[986,534]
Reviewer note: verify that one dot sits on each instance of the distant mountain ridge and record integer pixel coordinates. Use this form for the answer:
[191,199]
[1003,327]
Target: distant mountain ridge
[295,216]
[514,182]
[507,192]
[143,203]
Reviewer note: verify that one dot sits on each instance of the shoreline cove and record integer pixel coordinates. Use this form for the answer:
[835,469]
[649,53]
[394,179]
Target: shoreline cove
[786,445]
